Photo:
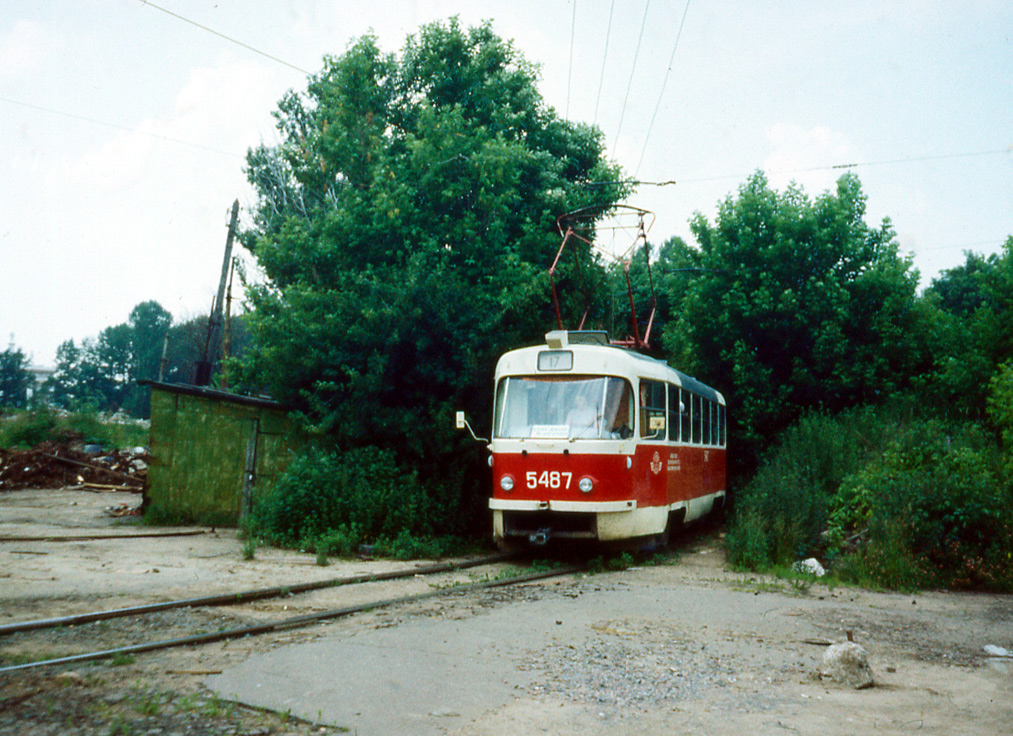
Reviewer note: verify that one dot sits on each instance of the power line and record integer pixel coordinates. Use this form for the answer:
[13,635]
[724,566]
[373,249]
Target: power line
[629,85]
[75,116]
[569,73]
[664,82]
[962,246]
[604,57]
[227,38]
[881,162]
[829,167]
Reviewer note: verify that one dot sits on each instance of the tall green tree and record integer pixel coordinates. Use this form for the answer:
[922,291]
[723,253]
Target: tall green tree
[405,225]
[15,379]
[798,305]
[976,336]
[148,326]
[102,372]
[78,381]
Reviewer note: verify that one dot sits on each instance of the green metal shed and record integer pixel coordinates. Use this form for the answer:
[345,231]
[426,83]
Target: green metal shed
[211,450]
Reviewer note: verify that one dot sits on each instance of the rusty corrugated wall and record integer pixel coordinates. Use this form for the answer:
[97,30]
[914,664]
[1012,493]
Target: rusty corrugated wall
[202,441]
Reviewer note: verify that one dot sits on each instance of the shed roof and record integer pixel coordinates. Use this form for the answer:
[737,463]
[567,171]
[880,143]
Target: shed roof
[214,394]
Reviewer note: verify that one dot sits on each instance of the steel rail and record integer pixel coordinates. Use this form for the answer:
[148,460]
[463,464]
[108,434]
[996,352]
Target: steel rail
[290,623]
[93,537]
[225,599]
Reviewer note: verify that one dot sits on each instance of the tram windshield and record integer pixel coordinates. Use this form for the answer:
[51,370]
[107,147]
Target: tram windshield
[564,407]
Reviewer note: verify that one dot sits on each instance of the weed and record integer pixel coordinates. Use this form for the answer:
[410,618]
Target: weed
[120,726]
[149,703]
[119,659]
[215,707]
[250,547]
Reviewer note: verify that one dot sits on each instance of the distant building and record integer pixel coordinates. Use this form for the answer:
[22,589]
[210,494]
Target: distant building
[39,376]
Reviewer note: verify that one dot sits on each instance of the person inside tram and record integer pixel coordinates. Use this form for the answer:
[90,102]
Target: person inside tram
[582,418]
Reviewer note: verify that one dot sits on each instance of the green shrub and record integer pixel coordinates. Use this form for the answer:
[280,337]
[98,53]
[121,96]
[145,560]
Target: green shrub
[746,542]
[406,546]
[936,497]
[27,429]
[781,513]
[885,499]
[333,502]
[888,561]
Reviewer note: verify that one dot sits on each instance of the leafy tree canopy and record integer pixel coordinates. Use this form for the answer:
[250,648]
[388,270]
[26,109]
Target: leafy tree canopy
[975,337]
[798,304]
[102,373]
[15,380]
[405,224]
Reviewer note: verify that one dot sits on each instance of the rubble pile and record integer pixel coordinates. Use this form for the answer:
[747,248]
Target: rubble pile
[56,465]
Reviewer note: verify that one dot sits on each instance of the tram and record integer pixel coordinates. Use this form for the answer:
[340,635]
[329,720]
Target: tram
[594,441]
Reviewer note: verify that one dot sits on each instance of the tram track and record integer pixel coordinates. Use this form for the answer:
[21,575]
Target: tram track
[245,596]
[292,622]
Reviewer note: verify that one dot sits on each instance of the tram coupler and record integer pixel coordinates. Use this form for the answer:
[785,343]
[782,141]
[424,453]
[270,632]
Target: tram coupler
[540,538]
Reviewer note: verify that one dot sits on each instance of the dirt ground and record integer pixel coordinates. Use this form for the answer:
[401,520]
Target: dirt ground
[743,655]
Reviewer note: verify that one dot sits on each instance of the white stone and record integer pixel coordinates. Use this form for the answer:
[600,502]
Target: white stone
[848,664]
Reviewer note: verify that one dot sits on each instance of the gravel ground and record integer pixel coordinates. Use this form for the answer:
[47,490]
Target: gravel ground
[738,654]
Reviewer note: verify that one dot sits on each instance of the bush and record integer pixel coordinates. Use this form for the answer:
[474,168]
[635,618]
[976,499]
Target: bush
[781,514]
[27,429]
[885,499]
[935,496]
[332,503]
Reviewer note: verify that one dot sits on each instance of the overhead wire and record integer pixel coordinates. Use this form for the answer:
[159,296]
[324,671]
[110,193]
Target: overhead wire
[569,73]
[629,85]
[604,58]
[664,83]
[827,167]
[106,123]
[227,38]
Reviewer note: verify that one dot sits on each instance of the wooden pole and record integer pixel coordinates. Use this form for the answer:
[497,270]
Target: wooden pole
[220,301]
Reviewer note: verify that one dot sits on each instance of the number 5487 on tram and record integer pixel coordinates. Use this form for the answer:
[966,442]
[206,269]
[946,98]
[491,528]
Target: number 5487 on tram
[591,441]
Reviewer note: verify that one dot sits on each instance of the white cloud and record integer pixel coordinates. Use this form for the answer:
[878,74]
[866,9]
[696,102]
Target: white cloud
[805,156]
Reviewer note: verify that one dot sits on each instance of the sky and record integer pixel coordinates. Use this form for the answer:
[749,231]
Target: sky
[124,124]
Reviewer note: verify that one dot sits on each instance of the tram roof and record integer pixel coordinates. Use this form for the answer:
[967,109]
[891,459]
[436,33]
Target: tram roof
[598,341]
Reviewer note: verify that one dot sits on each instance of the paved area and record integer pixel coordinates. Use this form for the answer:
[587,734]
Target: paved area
[433,675]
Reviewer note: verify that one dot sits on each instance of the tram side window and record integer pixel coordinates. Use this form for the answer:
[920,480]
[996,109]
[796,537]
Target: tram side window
[674,420]
[652,410]
[697,424]
[687,424]
[721,425]
[705,420]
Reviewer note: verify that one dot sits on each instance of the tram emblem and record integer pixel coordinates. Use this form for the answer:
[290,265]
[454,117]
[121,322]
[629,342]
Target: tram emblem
[656,463]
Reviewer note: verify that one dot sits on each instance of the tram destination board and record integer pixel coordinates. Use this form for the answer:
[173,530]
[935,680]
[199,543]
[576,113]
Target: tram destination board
[555,360]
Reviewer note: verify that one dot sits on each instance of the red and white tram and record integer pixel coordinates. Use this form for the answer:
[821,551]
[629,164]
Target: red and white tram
[598,442]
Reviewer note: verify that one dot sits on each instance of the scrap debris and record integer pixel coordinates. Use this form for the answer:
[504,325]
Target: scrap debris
[55,465]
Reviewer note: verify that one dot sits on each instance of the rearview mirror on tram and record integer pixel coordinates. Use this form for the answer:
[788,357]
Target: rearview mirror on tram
[462,423]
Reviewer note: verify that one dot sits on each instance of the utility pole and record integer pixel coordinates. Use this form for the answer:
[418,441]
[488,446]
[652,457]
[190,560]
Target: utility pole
[226,263]
[215,320]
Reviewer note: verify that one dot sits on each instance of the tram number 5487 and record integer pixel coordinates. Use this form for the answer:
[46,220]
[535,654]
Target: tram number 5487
[548,479]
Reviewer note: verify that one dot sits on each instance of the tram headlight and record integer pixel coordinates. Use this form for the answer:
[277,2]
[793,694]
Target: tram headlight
[586,485]
[506,483]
